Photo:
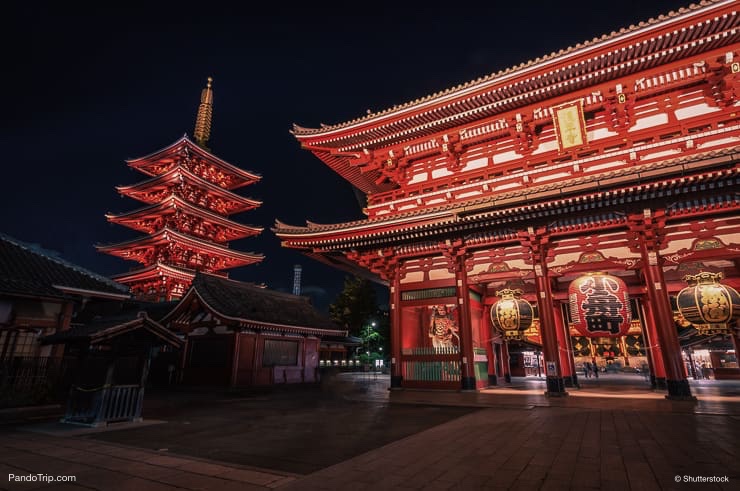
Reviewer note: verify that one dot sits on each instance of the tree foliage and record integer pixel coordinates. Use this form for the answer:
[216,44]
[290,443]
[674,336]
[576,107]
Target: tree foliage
[356,305]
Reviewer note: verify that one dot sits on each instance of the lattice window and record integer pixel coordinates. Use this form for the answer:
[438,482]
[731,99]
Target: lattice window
[280,352]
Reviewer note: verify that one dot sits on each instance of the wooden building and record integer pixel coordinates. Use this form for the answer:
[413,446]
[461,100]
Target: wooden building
[41,293]
[239,334]
[112,357]
[618,155]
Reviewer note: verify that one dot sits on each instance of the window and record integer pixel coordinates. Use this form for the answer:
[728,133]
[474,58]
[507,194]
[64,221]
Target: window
[279,352]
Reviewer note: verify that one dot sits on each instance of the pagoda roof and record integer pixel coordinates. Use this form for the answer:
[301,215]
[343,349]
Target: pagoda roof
[28,270]
[122,249]
[156,270]
[106,329]
[174,203]
[496,205]
[253,307]
[166,154]
[677,35]
[174,175]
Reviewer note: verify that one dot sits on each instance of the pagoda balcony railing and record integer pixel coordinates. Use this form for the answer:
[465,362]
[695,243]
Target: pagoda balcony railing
[431,367]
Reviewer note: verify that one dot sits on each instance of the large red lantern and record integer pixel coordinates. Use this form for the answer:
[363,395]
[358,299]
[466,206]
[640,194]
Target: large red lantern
[709,305]
[512,315]
[599,305]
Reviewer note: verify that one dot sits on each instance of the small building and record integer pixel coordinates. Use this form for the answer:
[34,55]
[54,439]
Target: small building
[239,334]
[41,294]
[112,358]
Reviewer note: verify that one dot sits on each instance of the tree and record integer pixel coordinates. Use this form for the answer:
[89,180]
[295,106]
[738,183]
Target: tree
[356,308]
[356,305]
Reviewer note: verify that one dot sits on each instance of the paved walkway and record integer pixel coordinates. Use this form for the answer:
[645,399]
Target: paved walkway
[116,467]
[614,436]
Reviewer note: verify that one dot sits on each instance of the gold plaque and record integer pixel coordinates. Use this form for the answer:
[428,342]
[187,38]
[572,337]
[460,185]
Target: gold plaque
[570,126]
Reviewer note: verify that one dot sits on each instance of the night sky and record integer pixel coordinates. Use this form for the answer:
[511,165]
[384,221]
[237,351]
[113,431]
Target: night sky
[86,88]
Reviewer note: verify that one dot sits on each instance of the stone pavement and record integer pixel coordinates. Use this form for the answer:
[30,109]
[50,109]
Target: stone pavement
[116,467]
[617,435]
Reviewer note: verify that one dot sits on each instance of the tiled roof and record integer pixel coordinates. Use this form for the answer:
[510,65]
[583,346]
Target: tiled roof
[248,302]
[185,142]
[28,270]
[109,327]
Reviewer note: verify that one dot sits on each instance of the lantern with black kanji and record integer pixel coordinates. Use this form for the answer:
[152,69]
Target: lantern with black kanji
[599,305]
[512,315]
[708,304]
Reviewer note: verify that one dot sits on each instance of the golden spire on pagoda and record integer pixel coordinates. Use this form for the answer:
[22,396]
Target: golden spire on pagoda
[205,113]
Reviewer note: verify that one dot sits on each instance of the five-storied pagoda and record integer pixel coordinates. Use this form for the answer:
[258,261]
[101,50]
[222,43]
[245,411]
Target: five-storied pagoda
[188,199]
[559,203]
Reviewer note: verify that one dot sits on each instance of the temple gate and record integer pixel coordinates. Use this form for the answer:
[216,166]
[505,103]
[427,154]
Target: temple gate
[616,157]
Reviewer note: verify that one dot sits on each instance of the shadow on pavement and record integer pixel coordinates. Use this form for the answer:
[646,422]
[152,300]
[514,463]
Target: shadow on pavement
[295,429]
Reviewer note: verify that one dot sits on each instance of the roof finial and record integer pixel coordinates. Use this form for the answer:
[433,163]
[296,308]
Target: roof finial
[205,112]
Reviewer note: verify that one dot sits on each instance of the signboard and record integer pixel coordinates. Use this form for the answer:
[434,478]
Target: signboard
[551,369]
[570,125]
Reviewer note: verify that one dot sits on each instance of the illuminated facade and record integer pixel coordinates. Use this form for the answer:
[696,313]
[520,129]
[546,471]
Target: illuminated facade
[187,202]
[616,156]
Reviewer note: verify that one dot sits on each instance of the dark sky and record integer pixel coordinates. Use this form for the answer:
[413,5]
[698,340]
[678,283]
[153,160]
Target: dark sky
[87,87]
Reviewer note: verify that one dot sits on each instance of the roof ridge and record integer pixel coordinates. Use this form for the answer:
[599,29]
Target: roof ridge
[302,130]
[49,255]
[252,285]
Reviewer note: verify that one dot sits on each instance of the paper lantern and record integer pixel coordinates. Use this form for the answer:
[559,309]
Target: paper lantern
[511,315]
[599,305]
[707,304]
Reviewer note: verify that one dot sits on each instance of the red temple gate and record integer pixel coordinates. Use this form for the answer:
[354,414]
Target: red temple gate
[618,155]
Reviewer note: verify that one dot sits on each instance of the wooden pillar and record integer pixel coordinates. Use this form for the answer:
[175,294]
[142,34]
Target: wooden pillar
[142,385]
[565,355]
[490,349]
[652,348]
[257,359]
[303,357]
[102,396]
[548,331]
[57,350]
[569,342]
[676,382]
[537,243]
[235,359]
[184,355]
[396,367]
[467,378]
[505,362]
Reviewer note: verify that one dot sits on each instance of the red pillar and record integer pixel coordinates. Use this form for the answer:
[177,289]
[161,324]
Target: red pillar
[467,378]
[564,353]
[676,382]
[396,373]
[548,331]
[490,350]
[655,357]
